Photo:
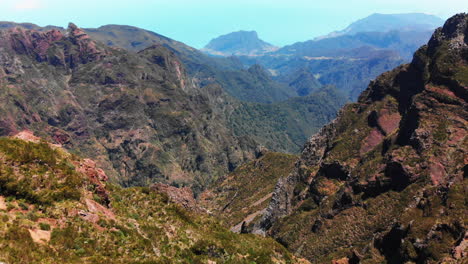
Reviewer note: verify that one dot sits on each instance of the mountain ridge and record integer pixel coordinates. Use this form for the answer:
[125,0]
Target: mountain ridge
[77,92]
[378,22]
[385,181]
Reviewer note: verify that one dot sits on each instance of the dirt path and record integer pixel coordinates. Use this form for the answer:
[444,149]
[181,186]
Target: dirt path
[2,203]
[266,197]
[248,219]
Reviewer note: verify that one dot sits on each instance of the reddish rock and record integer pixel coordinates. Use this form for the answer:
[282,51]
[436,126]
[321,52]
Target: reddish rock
[461,251]
[33,42]
[388,122]
[96,176]
[96,208]
[61,137]
[372,140]
[341,261]
[437,173]
[90,217]
[182,196]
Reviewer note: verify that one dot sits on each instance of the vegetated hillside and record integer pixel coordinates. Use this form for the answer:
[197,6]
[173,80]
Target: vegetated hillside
[285,126]
[137,114]
[389,22]
[57,208]
[241,197]
[238,43]
[255,85]
[386,182]
[217,78]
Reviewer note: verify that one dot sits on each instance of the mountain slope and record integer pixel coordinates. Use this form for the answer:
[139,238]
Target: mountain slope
[386,181]
[238,43]
[286,125]
[243,195]
[137,114]
[57,208]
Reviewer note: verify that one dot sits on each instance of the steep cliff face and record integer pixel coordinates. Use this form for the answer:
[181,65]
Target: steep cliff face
[241,197]
[138,115]
[386,181]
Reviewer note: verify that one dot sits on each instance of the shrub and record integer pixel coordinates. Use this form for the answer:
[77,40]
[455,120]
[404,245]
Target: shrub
[44,226]
[23,206]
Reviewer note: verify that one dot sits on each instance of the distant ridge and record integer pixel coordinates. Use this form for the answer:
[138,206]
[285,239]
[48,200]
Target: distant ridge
[390,22]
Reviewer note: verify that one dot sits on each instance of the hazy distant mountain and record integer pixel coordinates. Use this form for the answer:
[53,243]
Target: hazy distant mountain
[238,43]
[404,42]
[350,58]
[390,22]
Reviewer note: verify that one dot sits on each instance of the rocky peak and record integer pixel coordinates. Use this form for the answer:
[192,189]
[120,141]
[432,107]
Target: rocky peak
[29,42]
[74,31]
[72,27]
[454,30]
[53,46]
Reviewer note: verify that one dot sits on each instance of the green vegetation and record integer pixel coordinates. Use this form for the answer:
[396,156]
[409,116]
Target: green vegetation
[248,189]
[50,179]
[287,125]
[385,189]
[138,226]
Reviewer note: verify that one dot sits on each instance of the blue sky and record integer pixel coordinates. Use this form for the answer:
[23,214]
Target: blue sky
[194,22]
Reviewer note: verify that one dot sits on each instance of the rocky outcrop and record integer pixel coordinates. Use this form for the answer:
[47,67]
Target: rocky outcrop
[181,196]
[388,174]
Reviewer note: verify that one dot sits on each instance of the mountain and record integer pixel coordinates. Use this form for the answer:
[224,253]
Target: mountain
[56,207]
[137,114]
[246,43]
[391,22]
[353,57]
[350,71]
[404,42]
[251,85]
[386,181]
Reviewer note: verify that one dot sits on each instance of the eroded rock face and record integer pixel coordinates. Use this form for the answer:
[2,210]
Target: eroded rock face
[391,165]
[181,196]
[137,115]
